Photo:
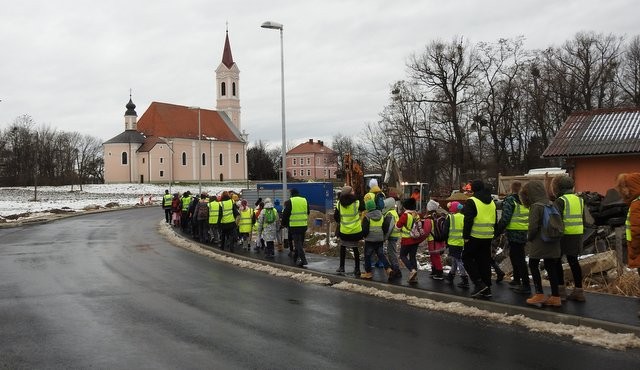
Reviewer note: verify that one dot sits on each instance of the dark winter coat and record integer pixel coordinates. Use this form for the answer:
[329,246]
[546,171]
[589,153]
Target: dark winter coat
[534,196]
[508,206]
[470,211]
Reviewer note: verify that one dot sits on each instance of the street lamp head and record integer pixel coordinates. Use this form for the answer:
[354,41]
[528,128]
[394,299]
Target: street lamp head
[272,25]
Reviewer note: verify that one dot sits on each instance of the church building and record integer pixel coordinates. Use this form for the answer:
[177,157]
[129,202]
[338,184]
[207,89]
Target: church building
[177,143]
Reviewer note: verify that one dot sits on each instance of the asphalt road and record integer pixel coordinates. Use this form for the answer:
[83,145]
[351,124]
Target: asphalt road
[107,291]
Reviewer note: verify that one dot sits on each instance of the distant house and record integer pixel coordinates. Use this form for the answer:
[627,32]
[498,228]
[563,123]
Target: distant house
[312,161]
[597,146]
[173,143]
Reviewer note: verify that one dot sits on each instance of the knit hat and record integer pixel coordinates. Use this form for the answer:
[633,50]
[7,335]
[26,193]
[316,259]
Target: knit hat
[389,204]
[346,190]
[477,185]
[432,205]
[409,204]
[373,182]
[370,204]
[373,186]
[454,206]
[267,200]
[244,202]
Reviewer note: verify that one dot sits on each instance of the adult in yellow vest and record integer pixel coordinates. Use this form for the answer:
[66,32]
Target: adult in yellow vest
[245,223]
[629,187]
[185,201]
[393,235]
[479,224]
[166,205]
[572,209]
[295,216]
[349,228]
[515,220]
[227,221]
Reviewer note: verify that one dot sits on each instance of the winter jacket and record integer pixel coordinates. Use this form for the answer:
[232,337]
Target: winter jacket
[375,215]
[347,200]
[535,196]
[508,207]
[470,211]
[632,185]
[268,231]
[403,222]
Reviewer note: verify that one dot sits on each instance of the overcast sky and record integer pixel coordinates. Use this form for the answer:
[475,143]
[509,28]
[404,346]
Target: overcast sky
[70,64]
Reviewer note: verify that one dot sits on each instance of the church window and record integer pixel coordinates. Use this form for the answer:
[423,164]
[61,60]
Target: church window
[233,89]
[161,173]
[142,160]
[161,160]
[184,158]
[237,158]
[221,159]
[204,159]
[223,89]
[125,159]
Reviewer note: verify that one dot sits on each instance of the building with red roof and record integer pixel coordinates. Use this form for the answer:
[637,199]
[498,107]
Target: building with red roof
[178,143]
[312,161]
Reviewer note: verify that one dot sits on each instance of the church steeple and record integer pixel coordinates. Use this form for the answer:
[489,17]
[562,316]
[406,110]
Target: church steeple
[130,116]
[228,85]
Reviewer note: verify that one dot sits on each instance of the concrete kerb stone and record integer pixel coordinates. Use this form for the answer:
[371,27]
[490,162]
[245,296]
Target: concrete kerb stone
[540,314]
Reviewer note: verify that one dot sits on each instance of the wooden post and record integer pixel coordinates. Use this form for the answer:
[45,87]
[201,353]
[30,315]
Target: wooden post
[619,235]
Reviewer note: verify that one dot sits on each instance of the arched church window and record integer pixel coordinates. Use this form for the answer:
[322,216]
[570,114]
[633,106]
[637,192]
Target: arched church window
[125,158]
[184,158]
[221,159]
[204,159]
[223,89]
[233,89]
[237,158]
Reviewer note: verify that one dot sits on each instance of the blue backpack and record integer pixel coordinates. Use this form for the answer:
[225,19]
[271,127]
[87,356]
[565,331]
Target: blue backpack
[552,226]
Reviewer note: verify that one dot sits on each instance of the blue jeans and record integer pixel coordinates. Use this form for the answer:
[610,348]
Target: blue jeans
[410,251]
[371,248]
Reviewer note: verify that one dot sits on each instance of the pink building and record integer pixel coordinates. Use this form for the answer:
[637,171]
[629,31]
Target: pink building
[176,143]
[312,161]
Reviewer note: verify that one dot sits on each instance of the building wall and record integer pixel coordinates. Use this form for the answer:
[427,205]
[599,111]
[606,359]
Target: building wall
[312,166]
[599,173]
[114,170]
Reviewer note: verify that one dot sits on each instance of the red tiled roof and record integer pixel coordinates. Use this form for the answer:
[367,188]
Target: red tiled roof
[311,147]
[597,132]
[170,120]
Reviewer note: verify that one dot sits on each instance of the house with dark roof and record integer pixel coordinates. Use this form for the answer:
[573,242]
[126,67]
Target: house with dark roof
[312,161]
[597,146]
[178,143]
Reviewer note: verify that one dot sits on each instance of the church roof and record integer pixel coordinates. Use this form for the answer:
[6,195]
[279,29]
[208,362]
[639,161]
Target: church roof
[128,136]
[178,121]
[227,58]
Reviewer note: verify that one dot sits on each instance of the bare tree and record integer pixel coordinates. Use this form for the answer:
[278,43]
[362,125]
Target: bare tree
[629,72]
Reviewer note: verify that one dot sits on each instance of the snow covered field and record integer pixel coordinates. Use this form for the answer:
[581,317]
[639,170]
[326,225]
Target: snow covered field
[19,200]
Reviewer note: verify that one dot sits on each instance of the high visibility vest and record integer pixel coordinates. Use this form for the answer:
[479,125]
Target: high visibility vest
[227,211]
[299,214]
[456,222]
[627,224]
[572,214]
[185,203]
[406,228]
[519,218]
[244,224]
[375,230]
[485,220]
[350,218]
[396,233]
[166,200]
[214,211]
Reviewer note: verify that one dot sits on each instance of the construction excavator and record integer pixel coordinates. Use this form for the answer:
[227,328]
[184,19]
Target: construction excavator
[390,182]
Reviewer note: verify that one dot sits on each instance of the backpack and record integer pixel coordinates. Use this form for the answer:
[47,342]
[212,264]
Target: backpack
[417,229]
[552,225]
[269,215]
[203,211]
[437,231]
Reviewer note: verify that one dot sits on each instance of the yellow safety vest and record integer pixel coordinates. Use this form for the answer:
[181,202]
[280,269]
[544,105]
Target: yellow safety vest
[627,224]
[519,218]
[350,218]
[485,220]
[406,229]
[214,211]
[375,230]
[456,222]
[244,224]
[572,215]
[185,203]
[227,211]
[166,200]
[396,233]
[299,214]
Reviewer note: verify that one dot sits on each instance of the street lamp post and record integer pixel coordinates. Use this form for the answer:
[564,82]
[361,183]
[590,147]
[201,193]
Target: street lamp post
[278,26]
[199,153]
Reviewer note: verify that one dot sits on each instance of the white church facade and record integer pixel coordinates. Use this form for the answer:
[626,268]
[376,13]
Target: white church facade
[176,143]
